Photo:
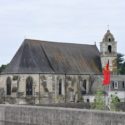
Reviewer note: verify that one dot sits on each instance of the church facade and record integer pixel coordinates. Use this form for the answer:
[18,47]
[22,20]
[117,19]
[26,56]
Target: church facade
[43,72]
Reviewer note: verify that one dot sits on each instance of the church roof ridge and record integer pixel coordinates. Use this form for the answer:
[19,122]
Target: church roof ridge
[55,42]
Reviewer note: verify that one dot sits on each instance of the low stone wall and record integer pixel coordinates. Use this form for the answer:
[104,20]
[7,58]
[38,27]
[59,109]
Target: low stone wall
[33,115]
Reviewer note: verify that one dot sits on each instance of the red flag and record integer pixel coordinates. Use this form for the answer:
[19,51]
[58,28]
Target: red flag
[106,75]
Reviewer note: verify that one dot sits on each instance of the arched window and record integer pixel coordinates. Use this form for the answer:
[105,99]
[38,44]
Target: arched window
[109,49]
[83,86]
[60,87]
[8,86]
[29,86]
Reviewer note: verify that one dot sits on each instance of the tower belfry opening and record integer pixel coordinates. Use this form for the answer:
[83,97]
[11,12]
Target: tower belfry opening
[110,49]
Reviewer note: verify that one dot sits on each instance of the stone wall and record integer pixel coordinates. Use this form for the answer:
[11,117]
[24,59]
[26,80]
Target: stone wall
[45,88]
[32,115]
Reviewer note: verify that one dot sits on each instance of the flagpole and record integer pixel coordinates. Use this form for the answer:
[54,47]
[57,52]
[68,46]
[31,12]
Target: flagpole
[105,94]
[109,96]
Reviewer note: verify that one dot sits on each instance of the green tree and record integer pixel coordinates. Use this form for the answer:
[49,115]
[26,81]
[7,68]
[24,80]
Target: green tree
[2,68]
[120,63]
[99,99]
[114,102]
[122,69]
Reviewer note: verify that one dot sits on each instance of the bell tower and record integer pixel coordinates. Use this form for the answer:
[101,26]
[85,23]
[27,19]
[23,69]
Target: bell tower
[108,50]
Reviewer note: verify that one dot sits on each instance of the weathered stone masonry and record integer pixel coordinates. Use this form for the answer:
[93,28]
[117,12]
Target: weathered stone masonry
[32,115]
[46,88]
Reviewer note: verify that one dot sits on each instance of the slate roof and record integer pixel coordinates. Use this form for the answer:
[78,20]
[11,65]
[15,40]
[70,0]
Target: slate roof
[36,56]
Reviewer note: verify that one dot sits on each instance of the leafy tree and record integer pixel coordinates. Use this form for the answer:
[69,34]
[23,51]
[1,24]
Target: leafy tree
[99,99]
[114,102]
[120,59]
[2,68]
[120,63]
[123,68]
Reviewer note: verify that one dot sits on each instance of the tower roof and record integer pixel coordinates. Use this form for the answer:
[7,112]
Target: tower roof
[108,37]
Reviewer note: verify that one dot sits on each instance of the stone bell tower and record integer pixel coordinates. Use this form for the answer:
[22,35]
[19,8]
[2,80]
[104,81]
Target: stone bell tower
[108,50]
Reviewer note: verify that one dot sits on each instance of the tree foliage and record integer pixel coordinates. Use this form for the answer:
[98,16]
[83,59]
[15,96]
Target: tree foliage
[120,63]
[99,99]
[2,68]
[114,102]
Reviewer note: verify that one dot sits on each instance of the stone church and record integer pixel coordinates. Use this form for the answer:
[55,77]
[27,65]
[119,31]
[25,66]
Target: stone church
[43,72]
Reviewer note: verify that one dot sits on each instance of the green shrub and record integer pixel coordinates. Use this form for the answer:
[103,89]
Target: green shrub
[99,102]
[114,102]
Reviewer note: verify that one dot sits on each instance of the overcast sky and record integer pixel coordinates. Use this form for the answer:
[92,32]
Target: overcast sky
[77,21]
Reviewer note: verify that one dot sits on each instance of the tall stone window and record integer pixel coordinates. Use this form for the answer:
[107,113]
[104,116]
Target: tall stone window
[8,86]
[29,86]
[60,87]
[83,86]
